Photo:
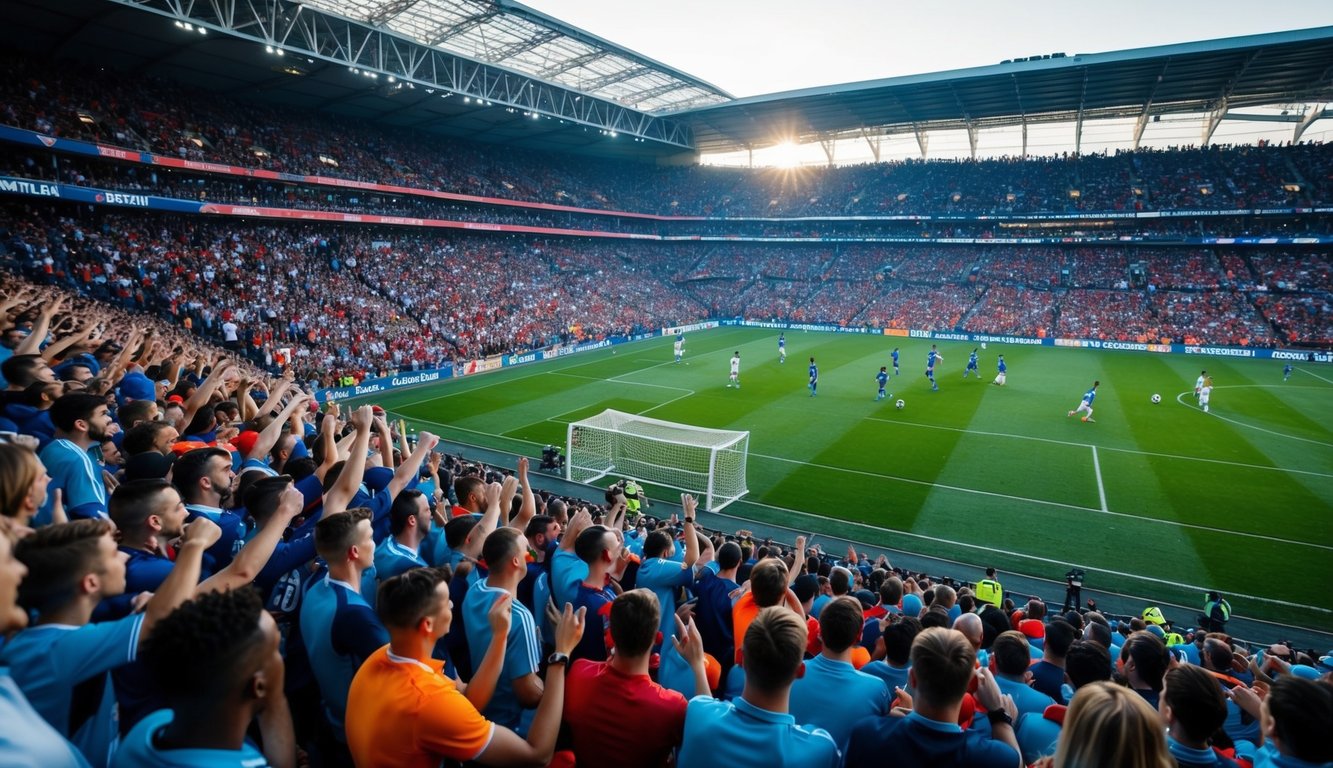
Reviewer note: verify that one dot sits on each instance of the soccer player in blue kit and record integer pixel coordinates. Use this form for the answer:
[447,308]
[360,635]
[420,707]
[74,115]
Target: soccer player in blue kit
[1286,372]
[1001,371]
[882,378]
[782,347]
[814,378]
[895,361]
[1086,405]
[972,365]
[931,358]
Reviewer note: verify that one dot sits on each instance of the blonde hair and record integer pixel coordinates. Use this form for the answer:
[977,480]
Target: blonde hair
[19,469]
[1111,726]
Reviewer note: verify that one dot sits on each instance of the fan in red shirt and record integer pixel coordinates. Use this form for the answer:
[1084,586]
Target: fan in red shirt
[615,714]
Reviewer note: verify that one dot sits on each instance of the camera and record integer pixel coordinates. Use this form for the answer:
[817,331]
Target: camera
[1074,577]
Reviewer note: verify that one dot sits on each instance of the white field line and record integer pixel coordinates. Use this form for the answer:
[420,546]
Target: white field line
[1214,414]
[1317,376]
[1101,489]
[1045,502]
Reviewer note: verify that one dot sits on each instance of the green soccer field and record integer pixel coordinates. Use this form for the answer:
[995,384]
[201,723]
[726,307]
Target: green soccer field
[1155,500]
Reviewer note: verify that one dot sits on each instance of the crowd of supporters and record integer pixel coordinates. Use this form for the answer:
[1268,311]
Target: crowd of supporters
[164,118]
[200,566]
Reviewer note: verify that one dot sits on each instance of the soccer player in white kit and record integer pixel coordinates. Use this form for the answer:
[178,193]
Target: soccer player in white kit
[1205,392]
[680,348]
[735,371]
[1198,384]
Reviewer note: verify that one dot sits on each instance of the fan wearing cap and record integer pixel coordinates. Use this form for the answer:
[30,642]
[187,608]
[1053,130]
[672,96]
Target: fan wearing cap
[254,447]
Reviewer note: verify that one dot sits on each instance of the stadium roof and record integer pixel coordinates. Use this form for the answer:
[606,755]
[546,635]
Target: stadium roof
[515,36]
[1208,76]
[497,71]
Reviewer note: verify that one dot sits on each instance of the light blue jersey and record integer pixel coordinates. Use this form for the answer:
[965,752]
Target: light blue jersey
[1089,396]
[139,751]
[894,355]
[814,378]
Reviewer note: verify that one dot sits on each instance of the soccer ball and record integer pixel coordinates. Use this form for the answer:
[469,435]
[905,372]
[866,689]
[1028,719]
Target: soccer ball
[899,405]
[1156,399]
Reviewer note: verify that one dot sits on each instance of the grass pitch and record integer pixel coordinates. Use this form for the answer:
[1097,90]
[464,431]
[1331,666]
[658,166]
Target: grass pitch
[1156,500]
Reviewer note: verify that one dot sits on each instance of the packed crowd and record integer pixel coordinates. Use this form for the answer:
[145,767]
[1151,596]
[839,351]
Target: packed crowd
[164,118]
[361,302]
[199,566]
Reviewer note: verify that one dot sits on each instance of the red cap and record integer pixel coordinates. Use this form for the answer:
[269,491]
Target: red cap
[177,399]
[245,442]
[1032,628]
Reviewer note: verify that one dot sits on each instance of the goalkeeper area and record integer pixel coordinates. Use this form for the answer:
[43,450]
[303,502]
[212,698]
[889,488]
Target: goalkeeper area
[1158,500]
[709,463]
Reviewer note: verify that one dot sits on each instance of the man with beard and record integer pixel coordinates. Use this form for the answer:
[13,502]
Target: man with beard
[81,421]
[204,478]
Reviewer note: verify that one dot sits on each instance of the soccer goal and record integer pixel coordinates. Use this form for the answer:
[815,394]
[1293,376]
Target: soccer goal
[709,463]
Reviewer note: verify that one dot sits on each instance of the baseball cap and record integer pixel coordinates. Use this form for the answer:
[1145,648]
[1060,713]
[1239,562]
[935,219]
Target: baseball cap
[1156,630]
[911,606]
[866,597]
[245,442]
[1305,671]
[1032,629]
[177,399]
[136,386]
[1325,663]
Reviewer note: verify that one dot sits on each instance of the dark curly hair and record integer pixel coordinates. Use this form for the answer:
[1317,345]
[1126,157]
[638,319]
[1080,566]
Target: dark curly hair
[195,652]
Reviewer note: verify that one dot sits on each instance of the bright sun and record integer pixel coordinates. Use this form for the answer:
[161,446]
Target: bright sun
[786,155]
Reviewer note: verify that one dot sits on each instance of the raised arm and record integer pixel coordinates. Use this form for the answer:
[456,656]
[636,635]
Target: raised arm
[688,504]
[340,495]
[529,508]
[267,438]
[247,564]
[32,345]
[411,465]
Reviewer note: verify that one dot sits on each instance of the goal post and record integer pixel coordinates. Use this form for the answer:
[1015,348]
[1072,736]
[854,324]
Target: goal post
[709,463]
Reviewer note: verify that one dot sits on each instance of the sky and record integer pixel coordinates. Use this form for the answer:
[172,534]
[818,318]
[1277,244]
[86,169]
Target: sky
[752,47]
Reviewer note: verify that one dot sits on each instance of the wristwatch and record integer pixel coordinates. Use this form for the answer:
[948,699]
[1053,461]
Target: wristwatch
[999,716]
[557,658]
[689,520]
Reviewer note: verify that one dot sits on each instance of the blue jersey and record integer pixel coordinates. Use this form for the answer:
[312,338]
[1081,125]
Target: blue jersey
[1089,396]
[814,373]
[972,361]
[882,377]
[1287,370]
[782,341]
[895,357]
[340,631]
[1001,366]
[139,749]
[931,356]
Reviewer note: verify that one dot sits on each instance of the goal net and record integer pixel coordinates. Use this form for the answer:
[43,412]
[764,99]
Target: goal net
[709,463]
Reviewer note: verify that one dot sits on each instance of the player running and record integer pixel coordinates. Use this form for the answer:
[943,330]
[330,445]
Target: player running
[782,347]
[895,361]
[814,378]
[1198,383]
[1286,372]
[1086,405]
[735,380]
[932,357]
[972,365]
[680,348]
[882,378]
[1205,392]
[1002,370]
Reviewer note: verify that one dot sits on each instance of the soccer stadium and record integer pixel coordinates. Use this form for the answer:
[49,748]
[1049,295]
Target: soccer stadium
[441,382]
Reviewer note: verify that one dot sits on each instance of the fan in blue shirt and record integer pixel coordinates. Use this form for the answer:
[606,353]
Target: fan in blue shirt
[518,686]
[832,694]
[665,576]
[943,665]
[50,660]
[212,705]
[338,627]
[755,728]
